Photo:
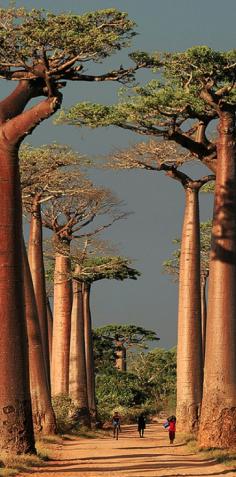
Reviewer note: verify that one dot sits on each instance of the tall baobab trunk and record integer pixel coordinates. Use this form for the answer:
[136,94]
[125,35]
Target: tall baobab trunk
[203,312]
[16,415]
[36,263]
[50,328]
[61,325]
[43,415]
[88,338]
[189,349]
[120,356]
[78,377]
[218,421]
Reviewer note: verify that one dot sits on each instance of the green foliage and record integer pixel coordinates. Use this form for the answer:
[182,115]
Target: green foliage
[171,266]
[64,410]
[97,268]
[147,387]
[104,352]
[115,389]
[32,36]
[189,85]
[156,372]
[43,168]
[129,335]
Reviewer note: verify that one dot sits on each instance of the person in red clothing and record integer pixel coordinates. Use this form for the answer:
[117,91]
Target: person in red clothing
[172,429]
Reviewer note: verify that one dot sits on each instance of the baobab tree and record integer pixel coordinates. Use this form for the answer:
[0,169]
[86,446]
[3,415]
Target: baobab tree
[90,270]
[43,416]
[70,217]
[41,51]
[125,337]
[171,267]
[197,85]
[44,174]
[77,367]
[157,157]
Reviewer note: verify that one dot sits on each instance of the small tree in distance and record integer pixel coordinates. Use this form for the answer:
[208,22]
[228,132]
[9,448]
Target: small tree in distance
[126,337]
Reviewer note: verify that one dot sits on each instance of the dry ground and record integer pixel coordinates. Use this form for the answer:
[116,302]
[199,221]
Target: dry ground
[130,456]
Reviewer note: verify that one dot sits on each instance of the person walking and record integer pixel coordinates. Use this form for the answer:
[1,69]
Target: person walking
[172,428]
[116,421]
[141,424]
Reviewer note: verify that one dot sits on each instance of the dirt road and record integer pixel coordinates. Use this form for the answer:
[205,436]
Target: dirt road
[130,456]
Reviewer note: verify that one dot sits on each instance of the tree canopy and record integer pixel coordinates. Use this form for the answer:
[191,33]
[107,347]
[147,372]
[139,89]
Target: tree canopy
[40,44]
[97,268]
[190,90]
[128,335]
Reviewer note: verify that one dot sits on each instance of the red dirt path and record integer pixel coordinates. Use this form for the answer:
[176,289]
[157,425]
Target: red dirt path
[130,456]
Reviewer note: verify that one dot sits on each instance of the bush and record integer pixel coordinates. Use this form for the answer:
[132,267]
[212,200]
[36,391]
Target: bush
[65,412]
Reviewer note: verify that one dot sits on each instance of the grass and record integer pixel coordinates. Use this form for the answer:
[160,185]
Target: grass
[226,457]
[12,464]
[86,433]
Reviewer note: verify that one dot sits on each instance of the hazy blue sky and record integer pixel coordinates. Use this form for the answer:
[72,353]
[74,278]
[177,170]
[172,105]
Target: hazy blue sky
[157,202]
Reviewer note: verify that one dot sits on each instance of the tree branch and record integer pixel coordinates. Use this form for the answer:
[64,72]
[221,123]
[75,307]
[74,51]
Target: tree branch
[22,125]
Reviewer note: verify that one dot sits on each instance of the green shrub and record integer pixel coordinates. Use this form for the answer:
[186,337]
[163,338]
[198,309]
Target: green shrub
[65,412]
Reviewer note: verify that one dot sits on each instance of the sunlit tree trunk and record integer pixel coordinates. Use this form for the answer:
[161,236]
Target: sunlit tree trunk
[16,423]
[203,312]
[43,415]
[218,421]
[78,377]
[120,356]
[61,325]
[36,263]
[189,349]
[50,328]
[88,338]
[16,426]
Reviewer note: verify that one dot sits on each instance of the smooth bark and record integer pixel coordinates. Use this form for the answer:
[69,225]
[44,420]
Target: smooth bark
[88,338]
[61,326]
[120,356]
[50,328]
[189,349]
[43,415]
[203,312]
[218,421]
[36,263]
[78,376]
[15,406]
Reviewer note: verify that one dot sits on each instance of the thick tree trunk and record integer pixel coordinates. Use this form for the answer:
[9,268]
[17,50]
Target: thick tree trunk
[16,426]
[203,313]
[189,350]
[36,263]
[43,415]
[61,326]
[16,423]
[78,377]
[120,356]
[88,338]
[218,421]
[50,328]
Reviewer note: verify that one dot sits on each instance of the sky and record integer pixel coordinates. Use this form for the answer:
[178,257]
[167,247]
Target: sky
[157,202]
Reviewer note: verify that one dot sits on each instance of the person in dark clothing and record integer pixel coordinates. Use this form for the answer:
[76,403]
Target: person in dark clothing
[141,424]
[116,420]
